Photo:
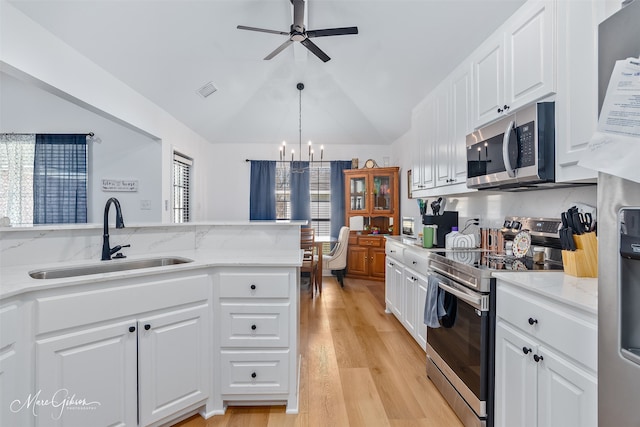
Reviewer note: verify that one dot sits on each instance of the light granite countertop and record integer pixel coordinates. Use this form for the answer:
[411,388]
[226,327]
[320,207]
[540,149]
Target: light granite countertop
[578,292]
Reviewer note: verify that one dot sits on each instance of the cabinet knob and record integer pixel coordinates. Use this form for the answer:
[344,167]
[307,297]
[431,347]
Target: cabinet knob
[147,327]
[537,358]
[132,328]
[414,262]
[532,321]
[254,327]
[253,287]
[500,110]
[526,350]
[506,107]
[253,375]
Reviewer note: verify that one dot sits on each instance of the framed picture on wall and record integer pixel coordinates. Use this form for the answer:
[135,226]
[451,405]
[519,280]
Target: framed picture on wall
[409,184]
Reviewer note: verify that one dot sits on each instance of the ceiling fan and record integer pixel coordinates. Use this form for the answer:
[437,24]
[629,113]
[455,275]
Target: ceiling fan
[299,33]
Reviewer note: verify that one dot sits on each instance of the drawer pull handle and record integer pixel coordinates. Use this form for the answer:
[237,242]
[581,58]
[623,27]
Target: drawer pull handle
[253,375]
[147,327]
[254,327]
[537,358]
[532,321]
[526,350]
[253,287]
[132,328]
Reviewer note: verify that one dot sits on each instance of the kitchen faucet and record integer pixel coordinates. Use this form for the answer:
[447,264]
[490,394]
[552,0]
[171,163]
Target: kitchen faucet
[107,251]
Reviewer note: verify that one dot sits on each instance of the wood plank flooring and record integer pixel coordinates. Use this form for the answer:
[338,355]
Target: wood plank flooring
[360,367]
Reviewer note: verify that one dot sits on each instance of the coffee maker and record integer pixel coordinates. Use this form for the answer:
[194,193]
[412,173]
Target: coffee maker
[444,222]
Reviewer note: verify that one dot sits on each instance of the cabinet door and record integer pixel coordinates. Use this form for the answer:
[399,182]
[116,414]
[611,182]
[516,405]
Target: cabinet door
[398,297]
[441,133]
[357,260]
[410,307]
[488,76]
[515,388]
[577,98]
[530,54]
[423,146]
[173,362]
[567,395]
[377,257]
[96,367]
[389,284]
[356,194]
[14,371]
[382,194]
[461,105]
[421,298]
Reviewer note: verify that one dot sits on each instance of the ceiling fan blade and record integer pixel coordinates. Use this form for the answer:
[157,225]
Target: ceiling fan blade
[315,50]
[332,32]
[279,49]
[298,14]
[262,30]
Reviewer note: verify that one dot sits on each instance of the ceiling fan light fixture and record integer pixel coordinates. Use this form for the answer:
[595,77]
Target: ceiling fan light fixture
[207,90]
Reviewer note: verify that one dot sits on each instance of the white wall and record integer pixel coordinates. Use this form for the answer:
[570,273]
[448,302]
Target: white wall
[25,108]
[32,54]
[228,191]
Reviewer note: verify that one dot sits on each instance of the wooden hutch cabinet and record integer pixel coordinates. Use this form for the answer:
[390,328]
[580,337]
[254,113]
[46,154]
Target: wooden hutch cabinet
[372,199]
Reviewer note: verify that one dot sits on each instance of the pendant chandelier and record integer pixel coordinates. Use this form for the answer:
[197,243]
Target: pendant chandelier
[283,147]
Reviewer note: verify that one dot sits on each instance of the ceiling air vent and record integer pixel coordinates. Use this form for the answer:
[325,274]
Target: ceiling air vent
[207,90]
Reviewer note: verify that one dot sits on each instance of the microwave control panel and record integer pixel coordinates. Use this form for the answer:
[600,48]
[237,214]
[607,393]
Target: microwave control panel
[526,145]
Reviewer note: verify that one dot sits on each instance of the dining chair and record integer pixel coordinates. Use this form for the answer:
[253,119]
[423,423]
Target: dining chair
[336,260]
[309,258]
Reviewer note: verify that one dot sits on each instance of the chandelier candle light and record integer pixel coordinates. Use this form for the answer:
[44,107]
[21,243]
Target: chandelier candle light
[283,147]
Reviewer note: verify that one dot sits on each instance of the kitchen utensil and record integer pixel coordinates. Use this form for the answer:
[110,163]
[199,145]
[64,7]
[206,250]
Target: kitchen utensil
[521,244]
[578,227]
[436,206]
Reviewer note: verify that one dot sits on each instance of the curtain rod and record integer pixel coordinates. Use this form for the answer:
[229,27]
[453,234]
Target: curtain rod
[289,161]
[91,134]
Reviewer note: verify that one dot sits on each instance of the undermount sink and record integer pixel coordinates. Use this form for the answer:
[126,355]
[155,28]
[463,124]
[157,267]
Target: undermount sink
[106,267]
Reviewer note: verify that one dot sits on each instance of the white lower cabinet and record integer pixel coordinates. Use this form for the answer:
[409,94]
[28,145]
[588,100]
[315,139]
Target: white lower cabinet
[544,376]
[97,365]
[142,364]
[406,289]
[15,374]
[257,341]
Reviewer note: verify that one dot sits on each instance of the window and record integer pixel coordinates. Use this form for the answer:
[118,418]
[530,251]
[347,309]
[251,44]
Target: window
[16,177]
[319,191]
[181,188]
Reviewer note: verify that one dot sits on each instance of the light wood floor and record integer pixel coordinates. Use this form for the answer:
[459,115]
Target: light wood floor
[360,367]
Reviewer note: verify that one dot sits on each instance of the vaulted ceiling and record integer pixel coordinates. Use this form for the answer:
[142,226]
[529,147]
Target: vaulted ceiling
[168,49]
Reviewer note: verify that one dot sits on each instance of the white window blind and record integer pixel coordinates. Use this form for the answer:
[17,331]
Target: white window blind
[319,191]
[181,188]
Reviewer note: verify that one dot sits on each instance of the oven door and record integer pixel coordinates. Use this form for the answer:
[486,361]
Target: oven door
[462,347]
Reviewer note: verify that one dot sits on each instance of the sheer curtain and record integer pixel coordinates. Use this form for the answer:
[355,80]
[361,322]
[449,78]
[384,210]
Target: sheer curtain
[16,177]
[60,179]
[337,194]
[262,197]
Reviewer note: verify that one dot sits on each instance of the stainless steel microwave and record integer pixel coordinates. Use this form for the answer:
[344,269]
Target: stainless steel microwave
[516,152]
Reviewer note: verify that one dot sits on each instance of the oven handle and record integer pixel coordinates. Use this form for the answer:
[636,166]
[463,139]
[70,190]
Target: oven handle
[473,301]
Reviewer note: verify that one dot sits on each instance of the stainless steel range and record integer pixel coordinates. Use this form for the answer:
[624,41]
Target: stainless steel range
[460,348]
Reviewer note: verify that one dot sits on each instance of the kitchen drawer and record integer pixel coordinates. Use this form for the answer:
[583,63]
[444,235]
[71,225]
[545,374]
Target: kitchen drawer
[254,325]
[261,284]
[374,242]
[554,324]
[254,373]
[416,261]
[394,251]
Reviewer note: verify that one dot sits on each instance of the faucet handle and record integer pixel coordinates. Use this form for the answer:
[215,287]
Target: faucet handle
[117,248]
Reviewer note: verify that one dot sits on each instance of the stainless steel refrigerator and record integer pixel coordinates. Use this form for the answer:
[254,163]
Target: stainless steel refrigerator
[619,253]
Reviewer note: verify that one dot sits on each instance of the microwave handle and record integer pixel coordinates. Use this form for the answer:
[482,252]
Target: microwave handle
[505,148]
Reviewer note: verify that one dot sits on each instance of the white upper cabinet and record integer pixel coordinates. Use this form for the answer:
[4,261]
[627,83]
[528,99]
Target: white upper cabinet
[423,124]
[461,113]
[516,65]
[577,98]
[441,133]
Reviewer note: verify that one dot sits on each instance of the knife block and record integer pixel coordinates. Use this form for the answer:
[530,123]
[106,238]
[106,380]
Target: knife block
[583,262]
